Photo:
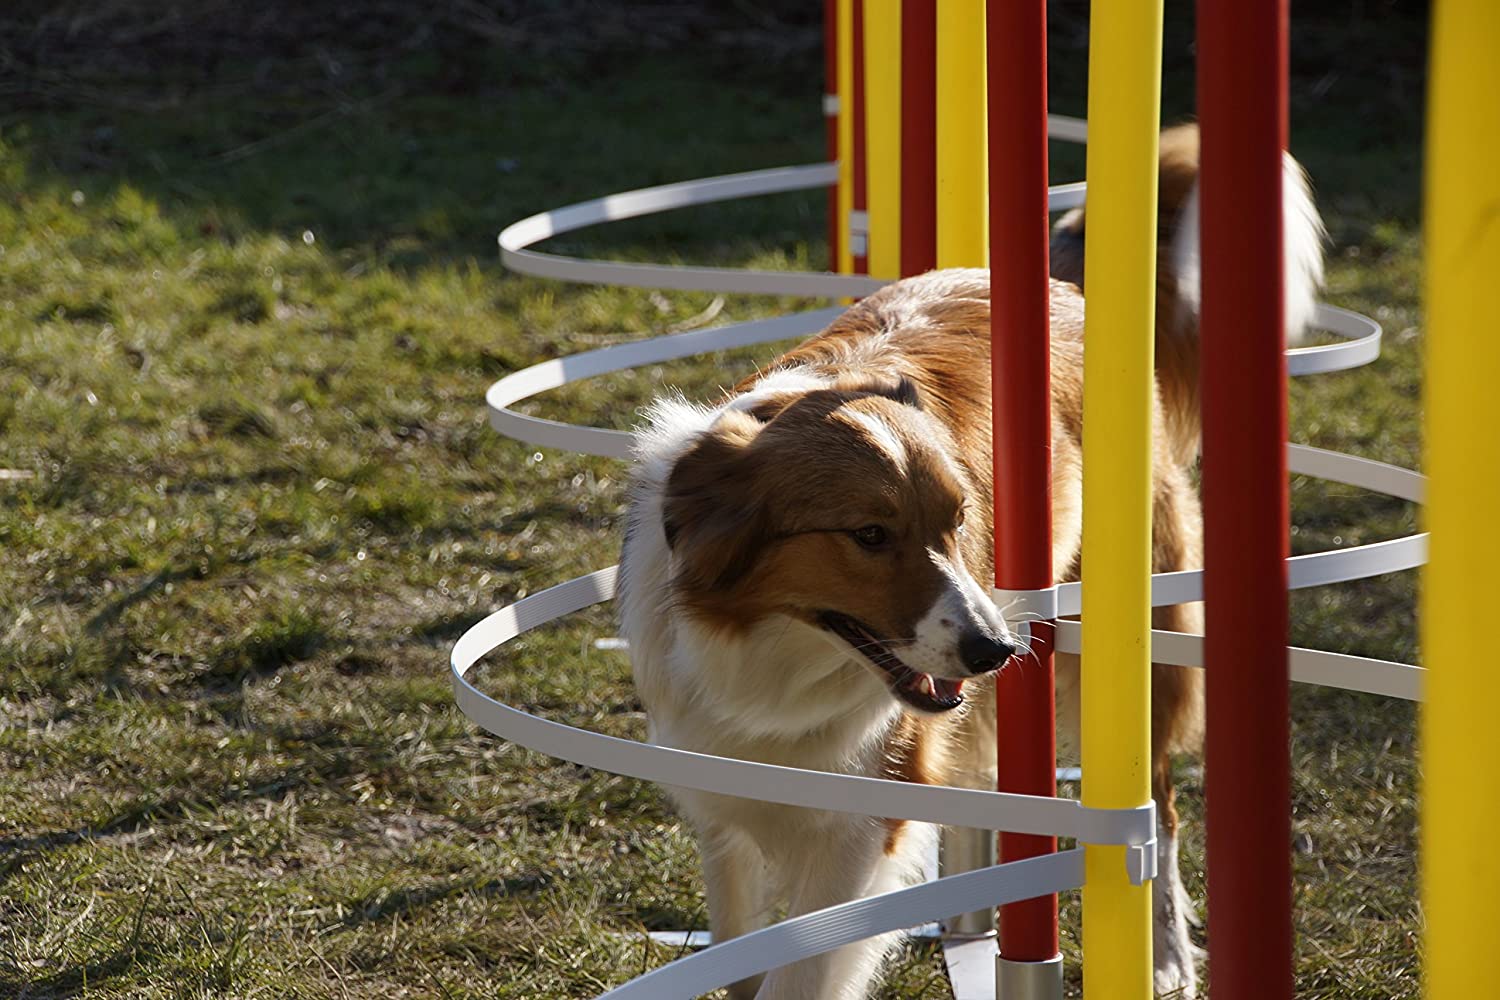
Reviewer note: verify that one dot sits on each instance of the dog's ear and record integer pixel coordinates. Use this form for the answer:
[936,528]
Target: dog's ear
[710,512]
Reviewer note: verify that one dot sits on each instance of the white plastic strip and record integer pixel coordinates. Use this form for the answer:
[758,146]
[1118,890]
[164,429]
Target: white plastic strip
[517,237]
[529,382]
[1308,666]
[1317,569]
[558,372]
[514,239]
[1067,129]
[747,779]
[1361,343]
[823,931]
[1392,480]
[1361,332]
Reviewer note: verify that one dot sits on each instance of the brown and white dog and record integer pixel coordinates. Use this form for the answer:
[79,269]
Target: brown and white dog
[804,577]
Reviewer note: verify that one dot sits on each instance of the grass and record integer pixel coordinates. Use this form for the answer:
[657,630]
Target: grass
[249,304]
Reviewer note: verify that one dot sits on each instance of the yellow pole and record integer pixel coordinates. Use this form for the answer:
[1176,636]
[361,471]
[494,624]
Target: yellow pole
[1461,817]
[846,130]
[1120,257]
[962,166]
[883,134]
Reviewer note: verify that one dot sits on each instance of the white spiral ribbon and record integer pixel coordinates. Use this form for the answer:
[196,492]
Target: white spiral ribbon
[816,933]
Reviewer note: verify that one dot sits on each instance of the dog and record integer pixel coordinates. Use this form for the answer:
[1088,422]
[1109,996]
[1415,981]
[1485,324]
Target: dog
[804,579]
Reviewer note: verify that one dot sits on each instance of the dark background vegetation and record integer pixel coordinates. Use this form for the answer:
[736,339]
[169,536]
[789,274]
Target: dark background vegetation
[249,304]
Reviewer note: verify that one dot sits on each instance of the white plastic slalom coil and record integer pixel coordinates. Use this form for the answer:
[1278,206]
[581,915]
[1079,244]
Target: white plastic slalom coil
[825,930]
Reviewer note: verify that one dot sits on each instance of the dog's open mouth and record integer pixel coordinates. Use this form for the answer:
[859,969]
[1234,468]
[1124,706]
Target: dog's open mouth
[921,691]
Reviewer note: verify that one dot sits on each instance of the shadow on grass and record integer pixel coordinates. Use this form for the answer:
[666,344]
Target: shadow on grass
[387,904]
[17,852]
[410,132]
[70,980]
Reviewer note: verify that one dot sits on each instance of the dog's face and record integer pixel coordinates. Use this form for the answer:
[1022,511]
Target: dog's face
[841,510]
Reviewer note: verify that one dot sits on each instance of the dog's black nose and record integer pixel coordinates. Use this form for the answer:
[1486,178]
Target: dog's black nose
[982,652]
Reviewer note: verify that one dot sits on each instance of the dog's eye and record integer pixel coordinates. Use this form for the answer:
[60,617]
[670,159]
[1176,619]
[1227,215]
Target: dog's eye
[871,536]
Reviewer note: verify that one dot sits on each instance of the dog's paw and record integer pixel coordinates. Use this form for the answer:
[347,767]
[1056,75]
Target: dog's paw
[1176,974]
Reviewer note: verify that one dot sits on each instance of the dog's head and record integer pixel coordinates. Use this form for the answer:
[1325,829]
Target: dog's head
[842,510]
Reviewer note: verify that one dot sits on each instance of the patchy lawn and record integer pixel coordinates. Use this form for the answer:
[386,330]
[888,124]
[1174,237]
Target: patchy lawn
[249,305]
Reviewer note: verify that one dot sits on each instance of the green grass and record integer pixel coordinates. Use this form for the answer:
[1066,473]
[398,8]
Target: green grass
[248,310]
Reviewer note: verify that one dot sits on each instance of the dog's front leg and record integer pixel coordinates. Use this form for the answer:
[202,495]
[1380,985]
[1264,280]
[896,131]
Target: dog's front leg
[844,862]
[1175,955]
[736,880]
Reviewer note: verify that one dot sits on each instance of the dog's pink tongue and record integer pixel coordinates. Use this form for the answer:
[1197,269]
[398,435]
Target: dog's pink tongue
[947,687]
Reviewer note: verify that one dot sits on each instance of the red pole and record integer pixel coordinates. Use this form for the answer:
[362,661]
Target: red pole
[831,119]
[1242,108]
[918,136]
[861,178]
[1021,388]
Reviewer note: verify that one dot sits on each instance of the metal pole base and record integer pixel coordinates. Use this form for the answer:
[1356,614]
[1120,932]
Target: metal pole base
[962,849]
[1029,980]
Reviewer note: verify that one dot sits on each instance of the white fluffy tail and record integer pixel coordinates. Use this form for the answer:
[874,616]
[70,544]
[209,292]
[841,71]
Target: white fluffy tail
[1303,235]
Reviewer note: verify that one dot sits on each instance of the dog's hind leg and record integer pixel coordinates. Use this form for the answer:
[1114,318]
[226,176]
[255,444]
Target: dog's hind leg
[738,888]
[1176,727]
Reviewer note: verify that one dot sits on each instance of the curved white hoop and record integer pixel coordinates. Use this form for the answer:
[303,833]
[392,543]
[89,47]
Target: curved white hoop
[825,930]
[748,779]
[518,236]
[1362,345]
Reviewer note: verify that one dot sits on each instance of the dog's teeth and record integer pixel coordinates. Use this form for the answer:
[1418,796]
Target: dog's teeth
[926,685]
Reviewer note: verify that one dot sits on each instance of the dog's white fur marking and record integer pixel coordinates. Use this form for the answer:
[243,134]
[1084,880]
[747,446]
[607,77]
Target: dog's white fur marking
[880,435]
[934,648]
[1303,238]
